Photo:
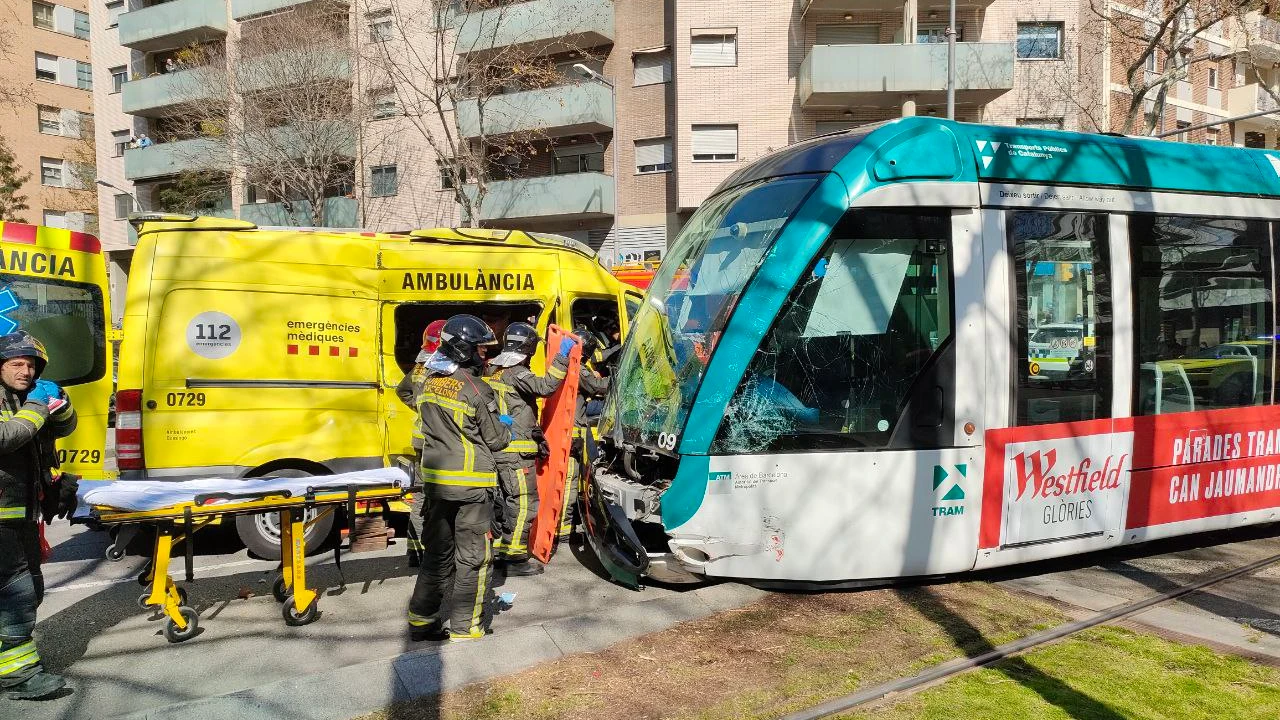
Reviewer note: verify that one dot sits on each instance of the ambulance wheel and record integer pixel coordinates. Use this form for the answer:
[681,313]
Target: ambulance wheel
[279,591]
[295,618]
[261,533]
[191,617]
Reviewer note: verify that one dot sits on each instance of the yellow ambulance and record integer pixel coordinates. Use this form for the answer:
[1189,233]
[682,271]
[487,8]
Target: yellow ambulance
[268,351]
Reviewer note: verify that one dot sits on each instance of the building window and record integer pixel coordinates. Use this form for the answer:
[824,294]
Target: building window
[384,181]
[119,75]
[1211,136]
[1042,123]
[1182,125]
[124,206]
[846,34]
[1039,41]
[937,33]
[120,141]
[82,25]
[114,10]
[46,67]
[384,104]
[1255,140]
[652,67]
[714,47]
[50,120]
[42,15]
[54,219]
[450,174]
[84,75]
[715,143]
[51,172]
[1213,77]
[379,25]
[582,158]
[653,155]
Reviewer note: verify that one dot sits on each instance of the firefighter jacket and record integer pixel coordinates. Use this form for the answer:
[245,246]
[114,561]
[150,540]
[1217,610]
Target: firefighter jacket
[27,454]
[460,430]
[518,389]
[590,386]
[408,389]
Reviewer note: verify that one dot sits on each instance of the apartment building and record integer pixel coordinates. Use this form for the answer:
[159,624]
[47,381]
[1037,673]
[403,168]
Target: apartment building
[678,94]
[50,128]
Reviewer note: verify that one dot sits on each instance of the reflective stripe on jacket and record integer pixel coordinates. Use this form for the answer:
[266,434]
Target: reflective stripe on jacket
[27,454]
[460,430]
[518,389]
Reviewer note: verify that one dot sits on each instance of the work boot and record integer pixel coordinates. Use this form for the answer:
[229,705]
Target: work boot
[475,634]
[40,685]
[524,568]
[428,632]
[415,558]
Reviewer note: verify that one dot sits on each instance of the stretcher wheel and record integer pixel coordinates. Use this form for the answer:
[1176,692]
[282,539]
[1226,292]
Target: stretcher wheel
[144,601]
[192,618]
[144,577]
[279,591]
[293,617]
[115,553]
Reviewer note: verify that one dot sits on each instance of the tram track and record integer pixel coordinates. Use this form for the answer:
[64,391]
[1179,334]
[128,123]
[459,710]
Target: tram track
[913,683]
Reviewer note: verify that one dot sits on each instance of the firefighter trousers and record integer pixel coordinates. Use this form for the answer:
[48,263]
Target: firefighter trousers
[21,590]
[454,576]
[519,505]
[414,541]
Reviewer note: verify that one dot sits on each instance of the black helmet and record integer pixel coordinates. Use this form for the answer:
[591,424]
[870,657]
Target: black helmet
[521,337]
[23,344]
[462,335]
[589,340]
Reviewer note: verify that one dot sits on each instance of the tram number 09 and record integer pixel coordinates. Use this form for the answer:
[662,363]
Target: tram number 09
[185,399]
[82,457]
[667,441]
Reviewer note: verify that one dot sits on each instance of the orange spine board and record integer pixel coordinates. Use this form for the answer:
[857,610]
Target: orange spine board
[557,425]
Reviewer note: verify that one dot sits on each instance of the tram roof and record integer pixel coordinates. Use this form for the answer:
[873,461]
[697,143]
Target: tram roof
[921,148]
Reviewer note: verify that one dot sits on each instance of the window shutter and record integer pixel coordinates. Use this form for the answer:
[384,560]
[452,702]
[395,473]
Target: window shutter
[714,50]
[653,68]
[715,139]
[655,151]
[848,35]
[47,64]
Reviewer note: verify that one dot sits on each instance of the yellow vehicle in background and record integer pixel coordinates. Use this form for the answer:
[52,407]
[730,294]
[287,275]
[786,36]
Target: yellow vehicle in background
[252,352]
[53,284]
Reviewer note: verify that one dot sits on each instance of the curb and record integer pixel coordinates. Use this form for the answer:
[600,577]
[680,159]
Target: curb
[365,687]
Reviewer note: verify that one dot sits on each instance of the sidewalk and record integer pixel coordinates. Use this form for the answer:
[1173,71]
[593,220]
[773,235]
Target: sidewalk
[355,689]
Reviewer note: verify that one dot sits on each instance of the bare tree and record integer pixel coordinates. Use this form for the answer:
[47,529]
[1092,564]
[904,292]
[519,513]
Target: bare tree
[454,69]
[277,113]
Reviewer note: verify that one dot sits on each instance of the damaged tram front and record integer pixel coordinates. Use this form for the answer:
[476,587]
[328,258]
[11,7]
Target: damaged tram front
[917,348]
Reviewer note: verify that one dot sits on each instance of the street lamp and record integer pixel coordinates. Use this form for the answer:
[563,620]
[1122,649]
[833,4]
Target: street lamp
[589,74]
[136,202]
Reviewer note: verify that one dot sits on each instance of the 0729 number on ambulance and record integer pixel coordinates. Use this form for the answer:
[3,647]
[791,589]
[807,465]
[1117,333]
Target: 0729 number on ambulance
[268,351]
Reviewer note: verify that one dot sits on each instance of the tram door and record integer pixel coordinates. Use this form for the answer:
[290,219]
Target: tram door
[1057,479]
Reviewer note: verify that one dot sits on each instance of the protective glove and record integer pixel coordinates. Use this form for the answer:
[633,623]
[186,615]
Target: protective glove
[566,346]
[508,421]
[68,487]
[45,391]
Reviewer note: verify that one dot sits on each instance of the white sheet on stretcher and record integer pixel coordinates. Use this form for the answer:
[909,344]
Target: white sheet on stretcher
[138,495]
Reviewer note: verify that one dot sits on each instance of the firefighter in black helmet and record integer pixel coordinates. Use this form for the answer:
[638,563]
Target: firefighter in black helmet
[462,431]
[518,389]
[33,413]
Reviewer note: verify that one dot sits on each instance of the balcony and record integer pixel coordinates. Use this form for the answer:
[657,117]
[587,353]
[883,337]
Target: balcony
[241,9]
[1250,99]
[173,24]
[575,196]
[292,68]
[160,95]
[551,25]
[878,75]
[553,112]
[168,159]
[826,6]
[339,212]
[1264,40]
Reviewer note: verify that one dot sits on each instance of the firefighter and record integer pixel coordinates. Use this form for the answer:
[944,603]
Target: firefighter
[33,414]
[591,387]
[408,389]
[518,389]
[461,431]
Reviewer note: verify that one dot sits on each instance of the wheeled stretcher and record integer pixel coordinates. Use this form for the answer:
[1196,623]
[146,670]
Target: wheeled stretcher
[177,515]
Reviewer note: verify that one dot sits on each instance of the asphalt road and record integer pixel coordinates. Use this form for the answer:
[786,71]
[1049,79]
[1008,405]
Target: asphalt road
[91,629]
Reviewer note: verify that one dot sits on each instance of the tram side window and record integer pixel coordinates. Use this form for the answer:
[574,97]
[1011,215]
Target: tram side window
[1203,329]
[867,319]
[1063,320]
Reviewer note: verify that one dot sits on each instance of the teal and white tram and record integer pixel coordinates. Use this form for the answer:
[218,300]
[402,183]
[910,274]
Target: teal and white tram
[927,347]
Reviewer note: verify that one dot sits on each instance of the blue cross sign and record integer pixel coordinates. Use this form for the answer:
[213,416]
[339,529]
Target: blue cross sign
[8,303]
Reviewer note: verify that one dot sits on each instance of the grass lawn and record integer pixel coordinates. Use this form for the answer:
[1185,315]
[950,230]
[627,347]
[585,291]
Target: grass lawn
[1106,673]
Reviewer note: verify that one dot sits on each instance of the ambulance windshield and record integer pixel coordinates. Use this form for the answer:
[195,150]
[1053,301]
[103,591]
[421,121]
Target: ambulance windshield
[690,301]
[67,317]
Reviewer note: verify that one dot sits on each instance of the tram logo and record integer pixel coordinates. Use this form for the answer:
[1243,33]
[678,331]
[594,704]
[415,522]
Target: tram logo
[948,488]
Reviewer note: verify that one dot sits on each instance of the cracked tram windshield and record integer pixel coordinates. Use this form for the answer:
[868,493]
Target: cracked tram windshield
[690,301]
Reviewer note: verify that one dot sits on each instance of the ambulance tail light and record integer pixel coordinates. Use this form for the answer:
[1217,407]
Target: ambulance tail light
[129,429]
